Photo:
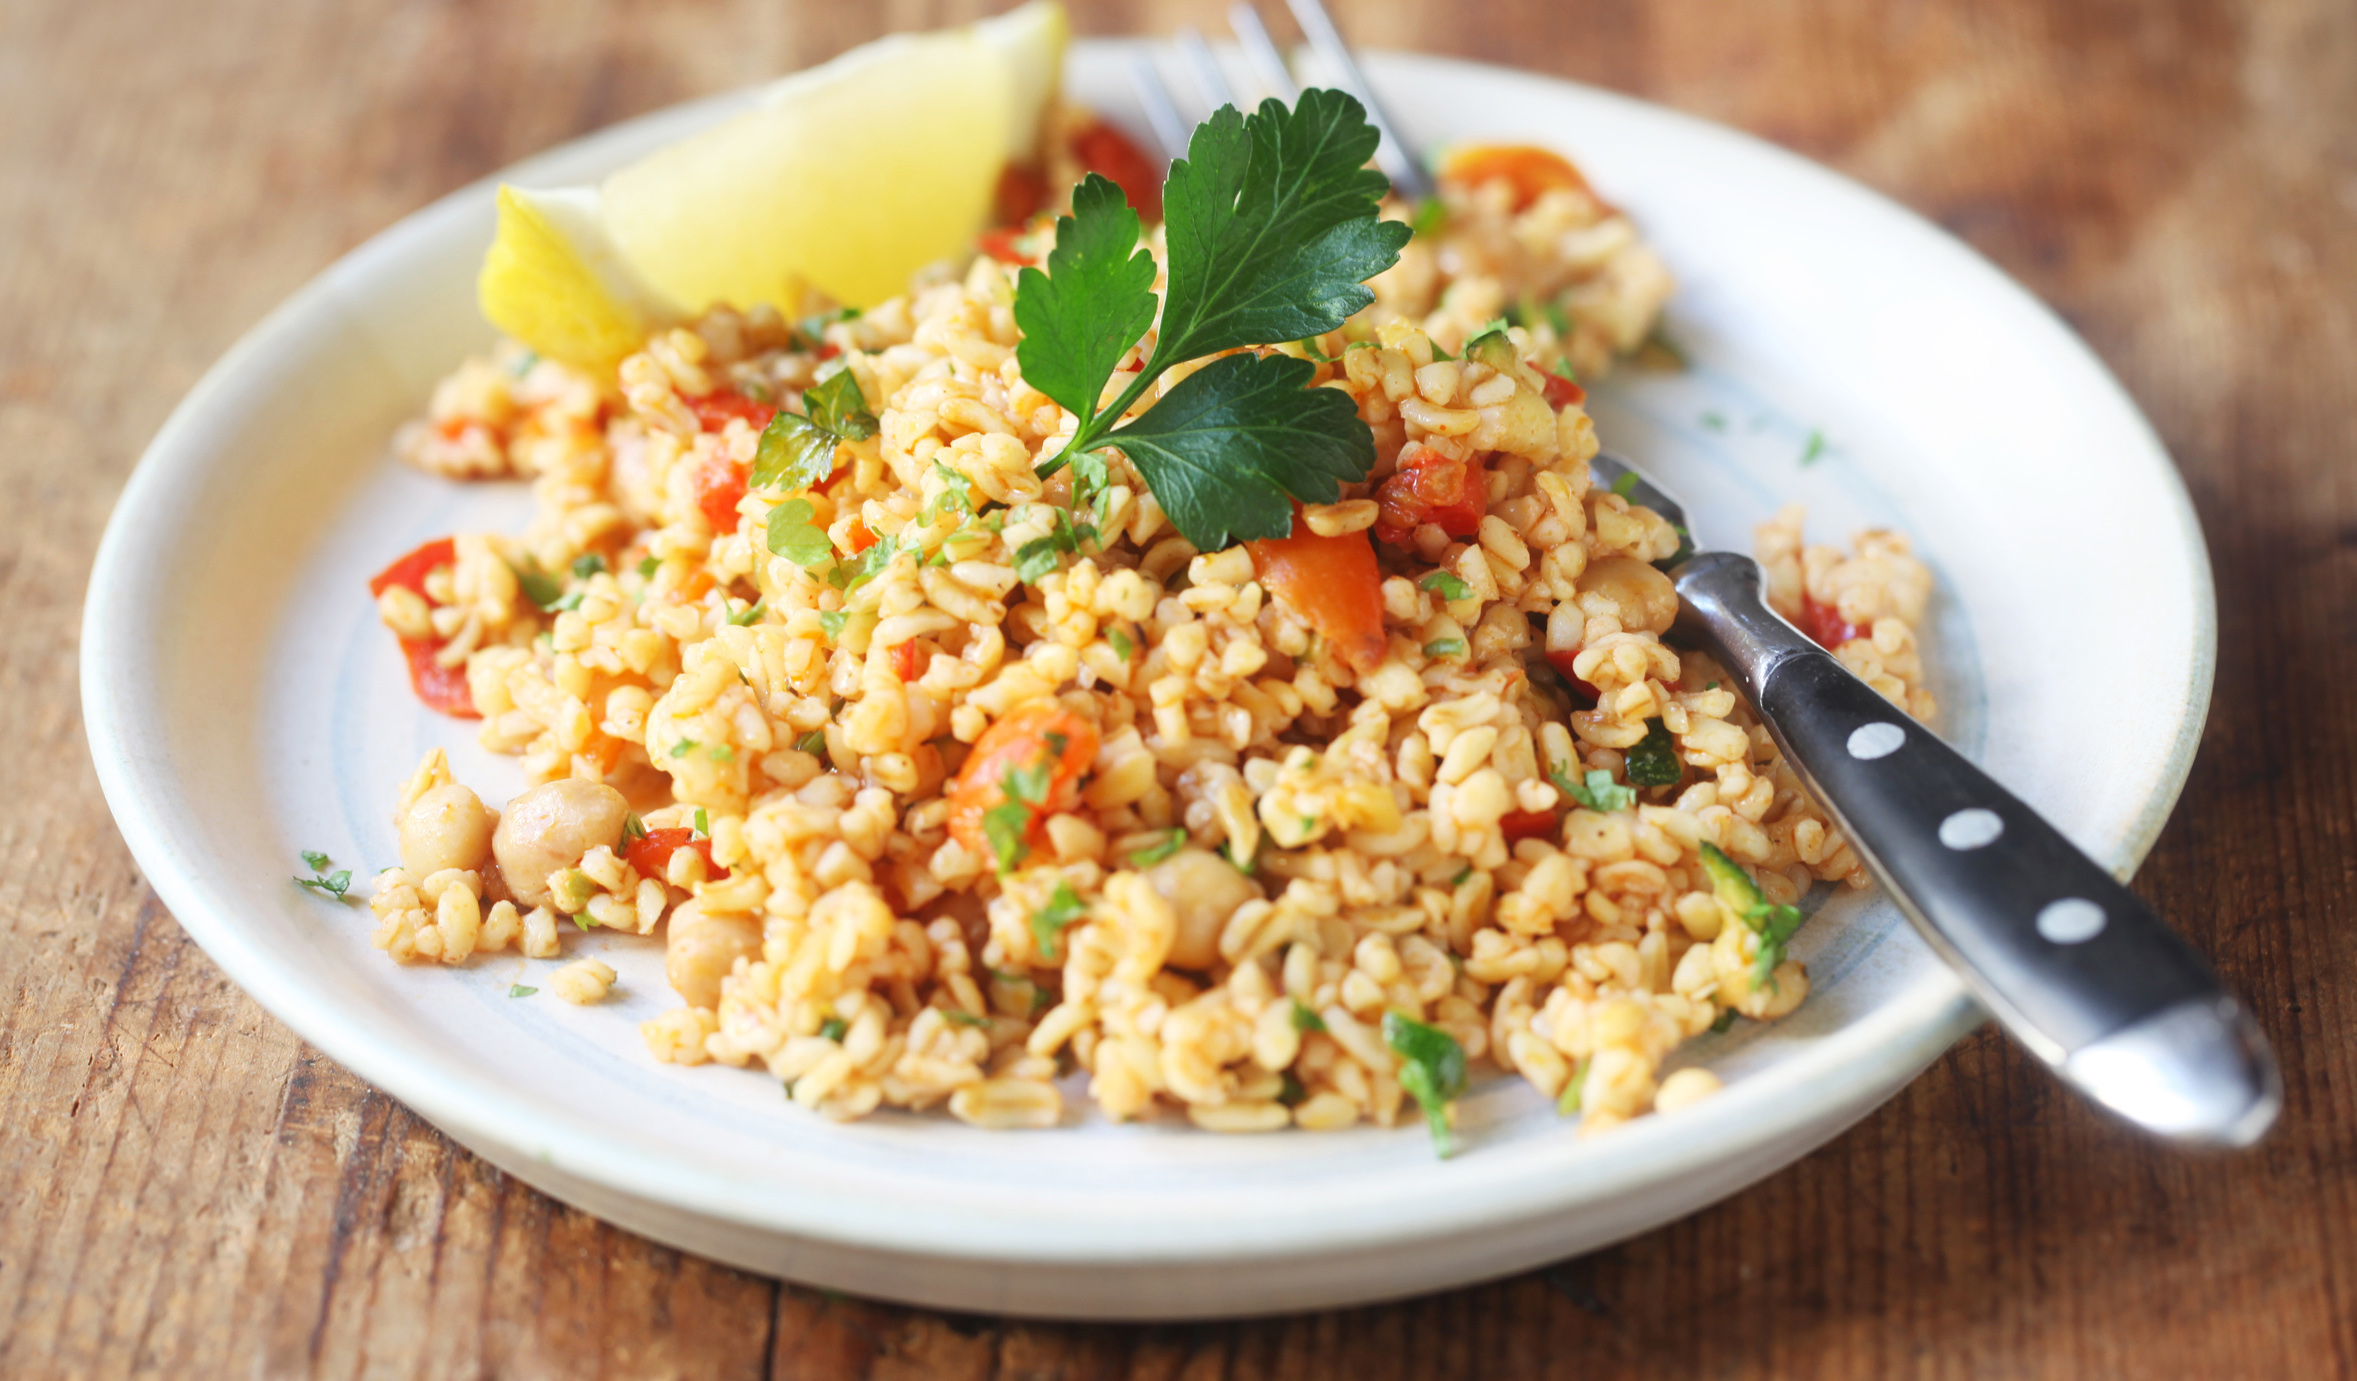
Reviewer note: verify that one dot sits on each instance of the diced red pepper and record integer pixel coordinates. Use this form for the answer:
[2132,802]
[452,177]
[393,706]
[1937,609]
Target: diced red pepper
[714,410]
[1040,733]
[909,661]
[1519,825]
[1021,192]
[861,538]
[1000,245]
[1103,149]
[1824,624]
[719,484]
[1430,487]
[651,852]
[1331,581]
[1562,661]
[410,571]
[1562,392]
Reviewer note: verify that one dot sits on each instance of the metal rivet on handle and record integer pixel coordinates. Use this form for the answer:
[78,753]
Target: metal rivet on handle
[2071,921]
[1871,741]
[1971,828]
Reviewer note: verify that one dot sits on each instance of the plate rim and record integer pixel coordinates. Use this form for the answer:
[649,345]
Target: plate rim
[140,790]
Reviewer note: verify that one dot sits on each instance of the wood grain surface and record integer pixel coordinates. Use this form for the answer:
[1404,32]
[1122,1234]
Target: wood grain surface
[187,1190]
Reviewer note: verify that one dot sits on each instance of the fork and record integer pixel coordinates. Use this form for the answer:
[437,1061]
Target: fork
[2067,959]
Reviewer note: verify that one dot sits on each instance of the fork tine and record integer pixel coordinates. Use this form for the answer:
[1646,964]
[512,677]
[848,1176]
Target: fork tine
[1397,163]
[1161,112]
[1205,68]
[1260,52]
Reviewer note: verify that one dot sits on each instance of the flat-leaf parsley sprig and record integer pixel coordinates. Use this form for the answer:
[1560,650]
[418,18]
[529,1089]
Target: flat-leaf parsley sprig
[1271,231]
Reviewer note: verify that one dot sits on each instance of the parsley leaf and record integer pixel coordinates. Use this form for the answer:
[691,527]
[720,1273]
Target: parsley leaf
[1774,922]
[1154,853]
[1432,1067]
[1815,450]
[649,565]
[316,861]
[540,587]
[1653,761]
[1448,586]
[1445,647]
[1723,1021]
[1626,484]
[587,565]
[793,536]
[1094,302]
[1063,908]
[703,824]
[1431,215]
[797,449]
[1122,646]
[1569,1103]
[1005,826]
[519,990]
[1305,1018]
[835,404]
[335,885]
[833,620]
[813,742]
[749,613]
[1037,559]
[1226,450]
[833,1028]
[962,1017]
[1271,231]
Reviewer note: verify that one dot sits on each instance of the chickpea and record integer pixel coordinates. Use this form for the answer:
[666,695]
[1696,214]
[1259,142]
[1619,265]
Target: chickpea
[1647,601]
[446,827]
[1205,890]
[701,950]
[551,827]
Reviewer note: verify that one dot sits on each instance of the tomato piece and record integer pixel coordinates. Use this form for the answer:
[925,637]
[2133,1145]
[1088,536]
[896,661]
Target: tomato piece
[909,661]
[443,689]
[1042,733]
[1562,392]
[1022,190]
[1331,581]
[410,571]
[861,538]
[651,852]
[714,410]
[1562,661]
[1103,149]
[1825,625]
[718,485]
[1000,245]
[1532,171]
[1430,487]
[1518,825]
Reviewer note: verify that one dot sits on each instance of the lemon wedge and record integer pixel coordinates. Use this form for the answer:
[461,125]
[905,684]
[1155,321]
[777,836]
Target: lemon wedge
[845,178]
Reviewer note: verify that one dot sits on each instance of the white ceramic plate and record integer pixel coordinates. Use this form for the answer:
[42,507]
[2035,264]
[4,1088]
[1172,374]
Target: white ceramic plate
[244,704]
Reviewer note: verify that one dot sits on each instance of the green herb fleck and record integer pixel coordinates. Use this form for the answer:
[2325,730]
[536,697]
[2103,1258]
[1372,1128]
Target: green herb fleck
[1063,908]
[703,824]
[1626,484]
[588,564]
[864,567]
[684,747]
[793,536]
[749,613]
[649,565]
[1569,1103]
[1725,1019]
[1122,646]
[1431,215]
[813,742]
[1306,1019]
[633,828]
[538,586]
[519,990]
[336,884]
[1445,647]
[1712,686]
[832,620]
[957,495]
[1447,586]
[1653,761]
[1462,874]
[316,861]
[1815,450]
[797,450]
[1715,420]
[836,404]
[1040,557]
[1432,1067]
[1161,849]
[1247,866]
[962,1017]
[1005,826]
[721,752]
[1599,792]
[1774,922]
[1290,1093]
[833,1028]
[1271,232]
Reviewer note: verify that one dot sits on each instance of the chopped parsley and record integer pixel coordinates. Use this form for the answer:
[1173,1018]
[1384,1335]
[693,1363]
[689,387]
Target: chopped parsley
[957,497]
[1432,1067]
[834,1028]
[1306,1020]
[832,621]
[1626,484]
[703,824]
[1431,215]
[1290,1093]
[749,613]
[633,828]
[1122,646]
[1271,232]
[1040,557]
[864,567]
[519,990]
[588,564]
[1063,908]
[540,587]
[1653,761]
[1007,825]
[684,747]
[793,536]
[813,742]
[1246,866]
[648,566]
[1154,853]
[1447,585]
[1773,922]
[962,1017]
[337,884]
[813,327]
[1815,450]
[1462,874]
[1725,1019]
[1569,1103]
[1598,792]
[797,449]
[1445,647]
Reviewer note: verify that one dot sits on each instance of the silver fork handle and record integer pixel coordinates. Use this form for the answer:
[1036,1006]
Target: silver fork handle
[2069,960]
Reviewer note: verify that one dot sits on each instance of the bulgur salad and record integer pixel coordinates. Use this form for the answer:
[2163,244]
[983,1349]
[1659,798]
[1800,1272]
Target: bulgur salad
[1175,657]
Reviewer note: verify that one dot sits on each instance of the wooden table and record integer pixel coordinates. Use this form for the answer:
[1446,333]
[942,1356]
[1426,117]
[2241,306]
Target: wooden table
[190,1191]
